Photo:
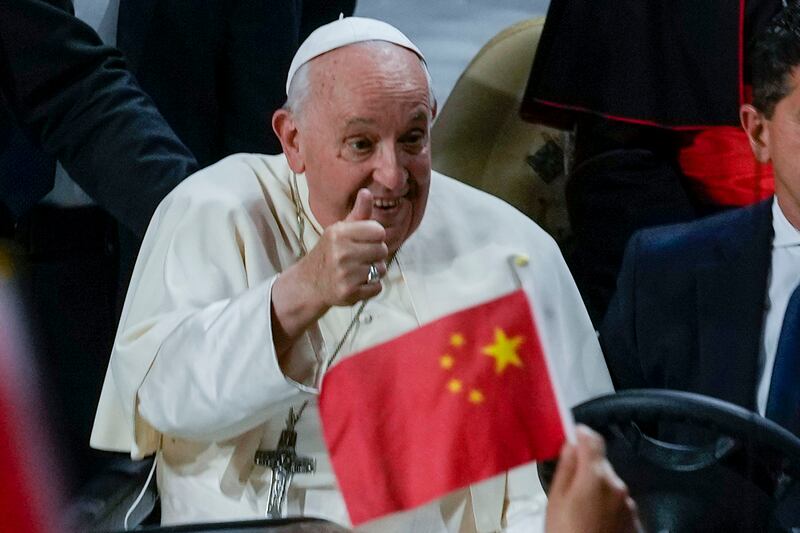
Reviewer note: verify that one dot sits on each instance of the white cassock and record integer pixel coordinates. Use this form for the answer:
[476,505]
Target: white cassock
[194,375]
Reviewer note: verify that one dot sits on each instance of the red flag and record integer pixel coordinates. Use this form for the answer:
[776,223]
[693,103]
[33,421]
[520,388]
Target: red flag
[454,402]
[28,484]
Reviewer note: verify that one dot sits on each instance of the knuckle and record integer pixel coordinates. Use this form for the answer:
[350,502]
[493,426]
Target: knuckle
[337,230]
[339,256]
[597,443]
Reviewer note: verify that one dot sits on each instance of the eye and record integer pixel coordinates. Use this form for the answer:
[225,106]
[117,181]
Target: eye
[414,140]
[359,144]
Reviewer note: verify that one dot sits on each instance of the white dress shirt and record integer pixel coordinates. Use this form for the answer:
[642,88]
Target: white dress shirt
[784,277]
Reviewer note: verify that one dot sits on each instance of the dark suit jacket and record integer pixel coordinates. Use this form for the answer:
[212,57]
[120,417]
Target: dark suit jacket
[76,100]
[217,68]
[689,306]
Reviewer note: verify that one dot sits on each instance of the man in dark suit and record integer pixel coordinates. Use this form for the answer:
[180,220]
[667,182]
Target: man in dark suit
[712,306]
[65,96]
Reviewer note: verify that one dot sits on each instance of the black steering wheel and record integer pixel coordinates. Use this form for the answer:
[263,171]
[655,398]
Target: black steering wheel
[695,463]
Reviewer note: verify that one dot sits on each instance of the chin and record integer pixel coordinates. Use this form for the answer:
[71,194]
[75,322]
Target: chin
[394,241]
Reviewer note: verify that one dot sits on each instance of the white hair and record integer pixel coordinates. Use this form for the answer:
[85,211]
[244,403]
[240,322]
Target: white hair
[300,88]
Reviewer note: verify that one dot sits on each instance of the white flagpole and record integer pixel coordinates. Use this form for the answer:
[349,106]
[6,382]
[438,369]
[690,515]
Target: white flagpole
[515,262]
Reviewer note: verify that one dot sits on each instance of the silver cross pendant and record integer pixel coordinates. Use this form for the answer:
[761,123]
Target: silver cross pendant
[285,463]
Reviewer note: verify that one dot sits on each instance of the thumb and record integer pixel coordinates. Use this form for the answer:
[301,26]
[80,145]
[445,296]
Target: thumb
[362,209]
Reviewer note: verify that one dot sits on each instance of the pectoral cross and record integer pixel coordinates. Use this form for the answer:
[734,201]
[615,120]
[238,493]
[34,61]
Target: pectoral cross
[284,463]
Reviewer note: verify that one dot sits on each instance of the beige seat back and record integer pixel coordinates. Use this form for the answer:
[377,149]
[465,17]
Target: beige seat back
[478,137]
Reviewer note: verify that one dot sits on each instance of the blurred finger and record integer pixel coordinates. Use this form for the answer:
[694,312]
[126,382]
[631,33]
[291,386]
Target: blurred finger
[565,471]
[590,443]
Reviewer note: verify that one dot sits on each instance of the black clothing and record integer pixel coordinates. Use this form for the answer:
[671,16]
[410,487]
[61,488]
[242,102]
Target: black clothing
[218,72]
[66,96]
[673,63]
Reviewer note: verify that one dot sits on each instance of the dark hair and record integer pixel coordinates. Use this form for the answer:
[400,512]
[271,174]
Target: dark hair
[775,53]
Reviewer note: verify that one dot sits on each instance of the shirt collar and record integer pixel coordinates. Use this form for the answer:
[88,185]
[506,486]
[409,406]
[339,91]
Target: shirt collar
[786,235]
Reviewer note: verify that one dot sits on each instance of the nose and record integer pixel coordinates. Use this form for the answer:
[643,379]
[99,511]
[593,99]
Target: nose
[389,170]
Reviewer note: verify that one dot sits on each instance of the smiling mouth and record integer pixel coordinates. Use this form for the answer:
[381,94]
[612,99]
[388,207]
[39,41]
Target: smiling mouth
[391,203]
[386,203]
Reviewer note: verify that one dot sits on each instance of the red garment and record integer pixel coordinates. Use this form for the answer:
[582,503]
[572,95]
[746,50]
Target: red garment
[28,483]
[722,169]
[449,404]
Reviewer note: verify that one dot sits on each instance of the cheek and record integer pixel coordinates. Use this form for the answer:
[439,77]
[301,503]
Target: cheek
[420,165]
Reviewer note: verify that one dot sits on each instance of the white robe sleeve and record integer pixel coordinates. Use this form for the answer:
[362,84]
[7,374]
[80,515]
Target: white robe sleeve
[194,356]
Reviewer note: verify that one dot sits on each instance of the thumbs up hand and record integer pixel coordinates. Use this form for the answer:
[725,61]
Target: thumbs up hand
[341,260]
[335,272]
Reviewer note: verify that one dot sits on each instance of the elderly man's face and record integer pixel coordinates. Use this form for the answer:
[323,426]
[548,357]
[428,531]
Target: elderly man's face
[366,124]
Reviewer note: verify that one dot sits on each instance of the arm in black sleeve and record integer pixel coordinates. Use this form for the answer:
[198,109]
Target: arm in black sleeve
[618,330]
[76,98]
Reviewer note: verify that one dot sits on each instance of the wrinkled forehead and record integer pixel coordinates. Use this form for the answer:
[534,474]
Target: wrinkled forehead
[370,70]
[367,59]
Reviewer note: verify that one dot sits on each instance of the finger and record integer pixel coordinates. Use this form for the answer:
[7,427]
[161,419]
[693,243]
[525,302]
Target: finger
[630,503]
[614,481]
[361,255]
[366,291]
[362,208]
[359,275]
[379,265]
[637,521]
[565,471]
[363,231]
[590,444]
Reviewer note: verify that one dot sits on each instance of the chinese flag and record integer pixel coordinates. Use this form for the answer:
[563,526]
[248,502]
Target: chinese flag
[454,402]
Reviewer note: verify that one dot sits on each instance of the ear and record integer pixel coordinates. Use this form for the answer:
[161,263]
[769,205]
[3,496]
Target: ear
[285,127]
[755,126]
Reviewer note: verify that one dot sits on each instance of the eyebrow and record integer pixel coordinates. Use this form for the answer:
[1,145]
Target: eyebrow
[359,121]
[419,115]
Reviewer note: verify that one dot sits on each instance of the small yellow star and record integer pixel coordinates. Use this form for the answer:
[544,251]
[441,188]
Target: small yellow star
[454,386]
[476,396]
[457,340]
[504,351]
[447,361]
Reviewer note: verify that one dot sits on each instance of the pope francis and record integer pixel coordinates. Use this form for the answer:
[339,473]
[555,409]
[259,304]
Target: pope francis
[258,272]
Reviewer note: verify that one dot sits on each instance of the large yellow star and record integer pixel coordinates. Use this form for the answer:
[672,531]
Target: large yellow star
[504,351]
